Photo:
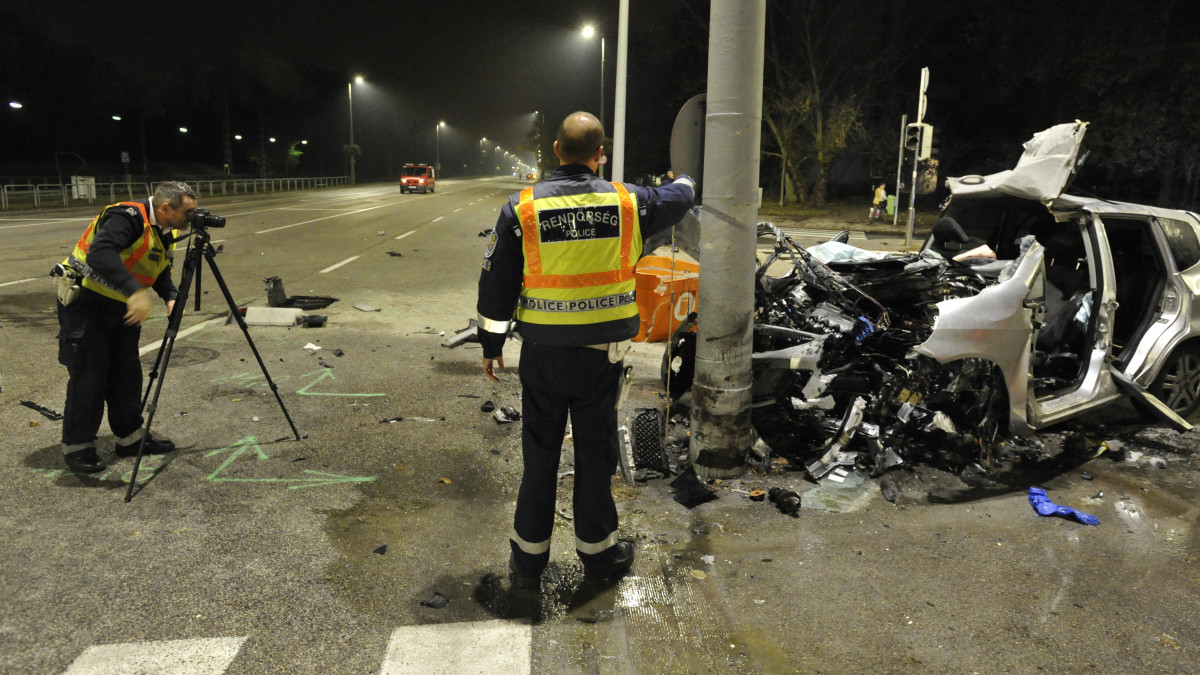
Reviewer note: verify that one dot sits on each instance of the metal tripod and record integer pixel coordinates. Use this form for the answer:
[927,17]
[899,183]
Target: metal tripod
[201,245]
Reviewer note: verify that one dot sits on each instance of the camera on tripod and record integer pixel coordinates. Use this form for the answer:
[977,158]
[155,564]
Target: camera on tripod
[203,219]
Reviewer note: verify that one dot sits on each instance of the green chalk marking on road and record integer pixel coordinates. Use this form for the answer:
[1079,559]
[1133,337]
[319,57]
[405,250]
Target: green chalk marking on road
[250,443]
[324,373]
[239,448]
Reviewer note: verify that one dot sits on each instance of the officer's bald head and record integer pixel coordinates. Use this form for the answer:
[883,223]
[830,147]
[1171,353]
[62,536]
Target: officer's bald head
[579,136]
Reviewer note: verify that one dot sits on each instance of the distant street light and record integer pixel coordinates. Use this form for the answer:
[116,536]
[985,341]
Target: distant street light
[437,148]
[15,105]
[183,130]
[116,118]
[350,97]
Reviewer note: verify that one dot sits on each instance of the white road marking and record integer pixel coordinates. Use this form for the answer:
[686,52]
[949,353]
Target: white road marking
[19,281]
[405,234]
[458,209]
[334,267]
[438,218]
[305,222]
[41,223]
[183,333]
[168,657]
[474,647]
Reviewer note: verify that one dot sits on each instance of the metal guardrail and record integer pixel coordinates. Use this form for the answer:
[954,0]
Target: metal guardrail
[39,195]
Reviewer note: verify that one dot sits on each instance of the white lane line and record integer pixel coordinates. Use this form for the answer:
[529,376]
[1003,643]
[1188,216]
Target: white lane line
[334,267]
[474,647]
[438,218]
[339,215]
[458,209]
[19,281]
[43,223]
[195,657]
[405,234]
[182,334]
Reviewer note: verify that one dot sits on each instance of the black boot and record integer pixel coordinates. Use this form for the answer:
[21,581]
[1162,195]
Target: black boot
[618,568]
[85,461]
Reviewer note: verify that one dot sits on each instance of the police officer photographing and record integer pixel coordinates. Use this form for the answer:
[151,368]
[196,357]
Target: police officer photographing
[562,257]
[103,301]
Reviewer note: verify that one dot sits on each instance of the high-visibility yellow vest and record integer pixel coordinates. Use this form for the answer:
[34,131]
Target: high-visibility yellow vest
[145,258]
[580,252]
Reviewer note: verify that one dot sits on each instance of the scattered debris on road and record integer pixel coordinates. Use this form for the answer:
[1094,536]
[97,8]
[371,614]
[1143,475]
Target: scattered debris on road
[278,297]
[46,412]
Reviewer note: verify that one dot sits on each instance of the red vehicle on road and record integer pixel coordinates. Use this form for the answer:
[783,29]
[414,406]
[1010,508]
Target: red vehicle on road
[415,177]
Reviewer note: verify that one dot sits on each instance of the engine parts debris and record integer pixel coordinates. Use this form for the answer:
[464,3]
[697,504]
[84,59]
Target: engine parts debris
[786,501]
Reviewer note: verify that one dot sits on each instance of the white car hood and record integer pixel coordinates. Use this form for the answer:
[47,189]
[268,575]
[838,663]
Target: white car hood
[1040,174]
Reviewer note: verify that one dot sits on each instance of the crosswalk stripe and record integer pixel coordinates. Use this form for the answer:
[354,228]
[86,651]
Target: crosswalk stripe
[473,647]
[204,656]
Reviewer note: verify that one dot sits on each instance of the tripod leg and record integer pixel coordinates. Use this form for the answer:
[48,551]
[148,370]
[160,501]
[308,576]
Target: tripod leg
[210,255]
[164,357]
[173,322]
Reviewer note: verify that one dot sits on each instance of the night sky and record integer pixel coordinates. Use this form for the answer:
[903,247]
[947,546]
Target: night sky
[482,67]
[1001,71]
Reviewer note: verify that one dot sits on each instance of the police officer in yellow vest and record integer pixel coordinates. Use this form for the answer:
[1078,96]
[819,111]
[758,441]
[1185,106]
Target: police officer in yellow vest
[560,262]
[103,301]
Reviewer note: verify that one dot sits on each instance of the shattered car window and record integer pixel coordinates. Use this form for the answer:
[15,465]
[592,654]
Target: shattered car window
[1181,237]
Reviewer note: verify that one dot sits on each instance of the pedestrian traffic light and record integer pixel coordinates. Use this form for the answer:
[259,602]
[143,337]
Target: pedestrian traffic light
[918,138]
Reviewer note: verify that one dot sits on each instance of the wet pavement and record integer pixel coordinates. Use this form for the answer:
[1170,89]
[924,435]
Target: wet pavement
[329,554]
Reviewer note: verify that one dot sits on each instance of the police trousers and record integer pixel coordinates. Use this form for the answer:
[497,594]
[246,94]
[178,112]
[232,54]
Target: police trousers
[103,368]
[556,382]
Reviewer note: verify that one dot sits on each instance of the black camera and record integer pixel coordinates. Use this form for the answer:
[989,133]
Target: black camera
[203,218]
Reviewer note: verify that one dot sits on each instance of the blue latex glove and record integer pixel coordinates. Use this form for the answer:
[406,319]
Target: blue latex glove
[1039,501]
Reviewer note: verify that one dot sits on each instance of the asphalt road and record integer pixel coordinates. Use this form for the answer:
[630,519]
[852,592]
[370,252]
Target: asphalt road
[248,551]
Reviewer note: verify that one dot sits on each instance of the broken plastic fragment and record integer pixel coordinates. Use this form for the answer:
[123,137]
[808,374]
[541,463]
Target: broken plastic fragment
[1040,502]
[47,412]
[311,346]
[505,414]
[689,491]
[436,601]
[381,550]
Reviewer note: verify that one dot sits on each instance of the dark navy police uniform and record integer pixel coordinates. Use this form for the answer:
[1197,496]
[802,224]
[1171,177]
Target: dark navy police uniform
[571,288]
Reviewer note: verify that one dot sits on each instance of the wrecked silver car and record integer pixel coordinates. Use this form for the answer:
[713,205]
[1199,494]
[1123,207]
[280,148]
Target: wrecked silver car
[1024,308]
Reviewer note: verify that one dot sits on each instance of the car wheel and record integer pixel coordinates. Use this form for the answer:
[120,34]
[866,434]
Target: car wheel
[1178,383]
[401,190]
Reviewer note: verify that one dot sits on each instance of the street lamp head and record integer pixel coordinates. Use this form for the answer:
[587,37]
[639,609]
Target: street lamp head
[358,79]
[116,118]
[441,124]
[588,31]
[15,105]
[183,130]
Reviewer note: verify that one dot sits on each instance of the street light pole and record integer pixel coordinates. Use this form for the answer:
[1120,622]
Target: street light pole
[350,98]
[437,148]
[589,31]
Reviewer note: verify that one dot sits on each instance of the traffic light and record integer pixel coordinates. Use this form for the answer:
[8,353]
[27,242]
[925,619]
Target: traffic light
[918,138]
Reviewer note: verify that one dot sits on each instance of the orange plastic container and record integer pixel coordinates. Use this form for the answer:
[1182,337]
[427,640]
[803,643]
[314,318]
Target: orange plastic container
[665,295]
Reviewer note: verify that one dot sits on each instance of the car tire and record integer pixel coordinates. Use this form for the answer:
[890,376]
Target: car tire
[401,190]
[1178,383]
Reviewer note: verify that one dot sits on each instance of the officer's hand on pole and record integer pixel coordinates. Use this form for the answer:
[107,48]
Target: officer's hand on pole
[488,370]
[137,308]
